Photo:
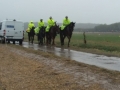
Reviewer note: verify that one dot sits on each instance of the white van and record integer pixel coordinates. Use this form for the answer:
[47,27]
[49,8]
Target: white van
[11,30]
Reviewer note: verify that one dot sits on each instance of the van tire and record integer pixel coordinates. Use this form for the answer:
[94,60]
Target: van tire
[3,41]
[8,42]
[13,42]
[20,42]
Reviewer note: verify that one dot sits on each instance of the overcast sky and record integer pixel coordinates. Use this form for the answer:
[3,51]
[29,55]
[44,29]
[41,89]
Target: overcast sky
[80,11]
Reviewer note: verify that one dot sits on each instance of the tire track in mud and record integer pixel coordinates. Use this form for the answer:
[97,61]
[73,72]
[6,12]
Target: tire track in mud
[81,75]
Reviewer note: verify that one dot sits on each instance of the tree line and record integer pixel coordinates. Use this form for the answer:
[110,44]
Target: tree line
[115,27]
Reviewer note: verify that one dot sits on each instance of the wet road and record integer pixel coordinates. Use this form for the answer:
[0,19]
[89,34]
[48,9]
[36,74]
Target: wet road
[111,63]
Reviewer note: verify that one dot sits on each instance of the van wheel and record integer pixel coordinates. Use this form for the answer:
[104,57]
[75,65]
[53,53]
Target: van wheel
[8,42]
[20,42]
[3,41]
[13,42]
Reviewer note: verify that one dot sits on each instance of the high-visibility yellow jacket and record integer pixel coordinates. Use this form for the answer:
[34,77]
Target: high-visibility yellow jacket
[51,22]
[27,30]
[66,22]
[40,24]
[30,25]
[36,30]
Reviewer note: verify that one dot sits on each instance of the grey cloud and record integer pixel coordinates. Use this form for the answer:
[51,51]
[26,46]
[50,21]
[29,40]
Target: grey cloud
[80,11]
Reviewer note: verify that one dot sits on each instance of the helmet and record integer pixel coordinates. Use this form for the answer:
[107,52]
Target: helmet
[66,16]
[31,21]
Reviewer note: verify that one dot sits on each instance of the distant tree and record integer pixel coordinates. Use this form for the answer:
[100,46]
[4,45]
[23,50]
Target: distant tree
[107,28]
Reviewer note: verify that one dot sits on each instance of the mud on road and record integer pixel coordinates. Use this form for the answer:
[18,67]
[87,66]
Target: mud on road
[27,69]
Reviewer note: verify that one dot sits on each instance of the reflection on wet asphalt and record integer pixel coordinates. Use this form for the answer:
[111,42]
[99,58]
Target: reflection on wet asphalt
[112,63]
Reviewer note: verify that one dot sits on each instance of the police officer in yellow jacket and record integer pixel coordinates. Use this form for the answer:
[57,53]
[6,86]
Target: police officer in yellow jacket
[41,23]
[66,22]
[30,25]
[50,22]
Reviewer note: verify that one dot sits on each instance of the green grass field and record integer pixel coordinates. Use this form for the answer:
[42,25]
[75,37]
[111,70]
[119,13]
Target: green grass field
[102,41]
[108,42]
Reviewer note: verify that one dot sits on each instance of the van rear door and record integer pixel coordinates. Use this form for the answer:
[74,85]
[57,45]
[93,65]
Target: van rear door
[19,27]
[9,27]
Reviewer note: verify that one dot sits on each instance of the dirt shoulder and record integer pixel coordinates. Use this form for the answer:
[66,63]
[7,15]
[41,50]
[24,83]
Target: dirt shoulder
[27,69]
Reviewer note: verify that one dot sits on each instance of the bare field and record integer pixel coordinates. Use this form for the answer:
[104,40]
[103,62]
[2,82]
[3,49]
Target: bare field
[27,69]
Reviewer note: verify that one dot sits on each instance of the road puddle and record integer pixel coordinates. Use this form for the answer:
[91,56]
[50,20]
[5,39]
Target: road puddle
[111,63]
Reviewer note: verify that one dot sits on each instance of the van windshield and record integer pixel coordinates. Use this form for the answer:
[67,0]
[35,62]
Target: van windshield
[0,25]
